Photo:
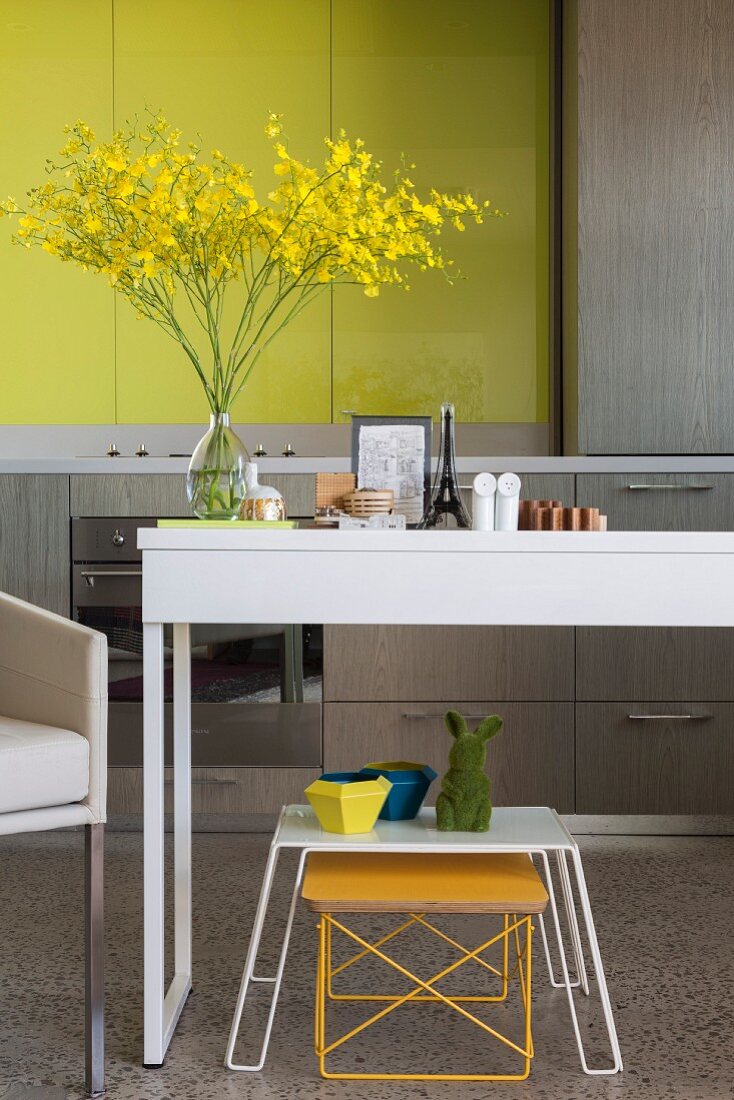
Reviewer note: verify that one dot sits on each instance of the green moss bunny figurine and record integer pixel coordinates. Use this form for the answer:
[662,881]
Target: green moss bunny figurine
[463,804]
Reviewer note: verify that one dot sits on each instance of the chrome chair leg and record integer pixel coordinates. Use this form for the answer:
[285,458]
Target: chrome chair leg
[94,958]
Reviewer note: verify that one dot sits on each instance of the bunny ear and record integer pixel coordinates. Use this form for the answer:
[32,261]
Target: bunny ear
[488,728]
[455,724]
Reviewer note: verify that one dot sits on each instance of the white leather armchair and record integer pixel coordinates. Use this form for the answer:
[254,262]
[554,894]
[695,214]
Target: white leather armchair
[53,763]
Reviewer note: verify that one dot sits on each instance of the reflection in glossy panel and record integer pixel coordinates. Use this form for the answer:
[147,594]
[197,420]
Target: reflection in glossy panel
[462,90]
[217,68]
[57,322]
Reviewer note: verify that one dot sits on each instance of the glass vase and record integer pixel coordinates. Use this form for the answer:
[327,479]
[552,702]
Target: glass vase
[215,482]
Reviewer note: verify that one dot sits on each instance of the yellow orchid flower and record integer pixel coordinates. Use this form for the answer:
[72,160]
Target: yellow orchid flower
[115,162]
[157,222]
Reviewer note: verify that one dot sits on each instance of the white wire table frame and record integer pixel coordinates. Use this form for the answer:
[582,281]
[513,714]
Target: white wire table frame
[535,830]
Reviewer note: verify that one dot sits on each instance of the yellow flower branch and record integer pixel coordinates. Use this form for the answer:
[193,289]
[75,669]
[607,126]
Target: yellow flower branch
[156,220]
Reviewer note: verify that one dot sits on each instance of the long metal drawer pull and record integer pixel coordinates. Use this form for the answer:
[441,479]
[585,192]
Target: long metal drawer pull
[426,717]
[669,717]
[689,488]
[208,782]
[90,574]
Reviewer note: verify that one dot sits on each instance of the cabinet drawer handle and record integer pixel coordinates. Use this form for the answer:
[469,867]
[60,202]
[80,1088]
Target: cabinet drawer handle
[90,574]
[639,486]
[433,717]
[669,717]
[208,782]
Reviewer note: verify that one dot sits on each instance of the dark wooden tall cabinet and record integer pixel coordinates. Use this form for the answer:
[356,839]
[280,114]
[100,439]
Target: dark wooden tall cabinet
[649,226]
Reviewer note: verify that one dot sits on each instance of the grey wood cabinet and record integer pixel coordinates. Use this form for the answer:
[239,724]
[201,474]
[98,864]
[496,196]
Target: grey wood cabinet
[641,663]
[447,663]
[653,331]
[165,494]
[129,495]
[629,760]
[216,790]
[34,539]
[565,695]
[660,502]
[673,663]
[530,763]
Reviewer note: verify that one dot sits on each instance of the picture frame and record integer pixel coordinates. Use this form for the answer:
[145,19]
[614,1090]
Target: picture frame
[394,456]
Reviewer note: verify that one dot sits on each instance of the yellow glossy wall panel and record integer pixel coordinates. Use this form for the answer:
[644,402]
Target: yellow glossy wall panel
[57,323]
[462,90]
[217,68]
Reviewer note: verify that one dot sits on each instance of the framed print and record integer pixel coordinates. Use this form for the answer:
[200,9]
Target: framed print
[394,452]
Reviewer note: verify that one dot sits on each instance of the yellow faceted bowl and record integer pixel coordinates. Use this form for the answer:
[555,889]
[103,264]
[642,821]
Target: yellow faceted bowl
[347,802]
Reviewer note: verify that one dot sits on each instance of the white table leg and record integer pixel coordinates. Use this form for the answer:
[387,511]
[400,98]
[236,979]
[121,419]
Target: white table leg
[597,960]
[580,980]
[606,1005]
[573,923]
[154,1048]
[182,800]
[163,1007]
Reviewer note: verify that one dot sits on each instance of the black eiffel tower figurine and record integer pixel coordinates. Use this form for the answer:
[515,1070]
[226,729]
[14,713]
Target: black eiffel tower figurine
[445,496]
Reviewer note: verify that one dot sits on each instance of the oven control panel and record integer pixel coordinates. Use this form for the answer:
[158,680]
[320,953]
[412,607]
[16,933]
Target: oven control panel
[107,538]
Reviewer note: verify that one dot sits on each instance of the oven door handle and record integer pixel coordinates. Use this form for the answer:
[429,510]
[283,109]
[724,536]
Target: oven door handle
[90,574]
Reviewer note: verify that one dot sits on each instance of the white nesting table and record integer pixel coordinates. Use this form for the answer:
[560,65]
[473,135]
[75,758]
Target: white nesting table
[412,577]
[535,830]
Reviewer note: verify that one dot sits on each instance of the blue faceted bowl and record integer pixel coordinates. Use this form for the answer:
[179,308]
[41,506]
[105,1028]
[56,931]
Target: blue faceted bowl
[410,783]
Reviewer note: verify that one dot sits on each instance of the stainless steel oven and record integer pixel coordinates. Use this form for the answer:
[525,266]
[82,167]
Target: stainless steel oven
[256,690]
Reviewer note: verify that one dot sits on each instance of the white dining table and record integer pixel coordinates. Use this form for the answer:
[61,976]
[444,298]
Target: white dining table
[209,575]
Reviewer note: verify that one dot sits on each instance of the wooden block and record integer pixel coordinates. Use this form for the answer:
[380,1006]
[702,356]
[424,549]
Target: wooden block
[332,488]
[572,519]
[551,519]
[528,508]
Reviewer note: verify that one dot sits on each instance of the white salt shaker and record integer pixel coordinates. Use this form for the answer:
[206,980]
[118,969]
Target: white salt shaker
[507,506]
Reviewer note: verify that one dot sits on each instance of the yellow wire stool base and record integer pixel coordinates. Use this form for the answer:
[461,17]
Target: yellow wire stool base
[424,992]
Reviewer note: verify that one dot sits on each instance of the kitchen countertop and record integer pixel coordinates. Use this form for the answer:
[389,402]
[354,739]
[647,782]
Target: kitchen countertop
[581,464]
[81,449]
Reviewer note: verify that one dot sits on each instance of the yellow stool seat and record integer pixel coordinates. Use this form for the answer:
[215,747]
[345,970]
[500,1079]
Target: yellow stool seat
[417,884]
[406,882]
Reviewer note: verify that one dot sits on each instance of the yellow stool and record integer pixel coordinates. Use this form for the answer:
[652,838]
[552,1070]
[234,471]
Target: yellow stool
[417,885]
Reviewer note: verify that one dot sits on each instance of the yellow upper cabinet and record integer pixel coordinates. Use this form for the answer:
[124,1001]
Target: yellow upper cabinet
[462,89]
[57,323]
[216,68]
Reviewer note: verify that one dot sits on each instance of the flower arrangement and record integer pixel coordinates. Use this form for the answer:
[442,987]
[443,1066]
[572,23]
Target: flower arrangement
[174,234]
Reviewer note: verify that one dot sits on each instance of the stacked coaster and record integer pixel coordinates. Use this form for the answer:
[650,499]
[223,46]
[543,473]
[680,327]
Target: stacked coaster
[550,515]
[369,502]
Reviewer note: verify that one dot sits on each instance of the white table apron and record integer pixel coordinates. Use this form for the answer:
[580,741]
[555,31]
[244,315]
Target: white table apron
[426,577]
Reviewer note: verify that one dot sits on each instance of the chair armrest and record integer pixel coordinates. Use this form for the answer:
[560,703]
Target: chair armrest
[54,672]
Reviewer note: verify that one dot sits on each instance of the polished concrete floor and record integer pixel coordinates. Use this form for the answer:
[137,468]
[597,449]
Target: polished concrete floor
[664,917]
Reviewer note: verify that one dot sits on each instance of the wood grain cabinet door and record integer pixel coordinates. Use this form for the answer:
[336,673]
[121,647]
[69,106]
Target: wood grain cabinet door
[671,663]
[129,495]
[530,763]
[660,502]
[652,758]
[216,790]
[165,494]
[34,539]
[655,226]
[364,663]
